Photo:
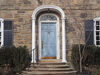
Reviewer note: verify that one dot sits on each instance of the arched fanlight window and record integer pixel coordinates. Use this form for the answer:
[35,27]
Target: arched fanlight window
[48,17]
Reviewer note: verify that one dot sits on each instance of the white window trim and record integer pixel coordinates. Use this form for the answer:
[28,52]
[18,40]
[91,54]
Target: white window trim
[2,31]
[57,35]
[95,19]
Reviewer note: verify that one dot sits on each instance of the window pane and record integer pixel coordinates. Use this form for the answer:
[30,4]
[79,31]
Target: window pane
[8,39]
[97,23]
[97,32]
[7,25]
[97,42]
[97,37]
[97,28]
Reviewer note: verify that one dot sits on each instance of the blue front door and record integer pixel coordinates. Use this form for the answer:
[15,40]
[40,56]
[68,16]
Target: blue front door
[48,39]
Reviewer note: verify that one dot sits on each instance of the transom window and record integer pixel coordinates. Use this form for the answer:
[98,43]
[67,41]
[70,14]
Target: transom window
[97,31]
[48,17]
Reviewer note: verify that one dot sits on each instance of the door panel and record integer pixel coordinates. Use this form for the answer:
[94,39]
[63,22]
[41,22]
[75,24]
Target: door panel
[48,37]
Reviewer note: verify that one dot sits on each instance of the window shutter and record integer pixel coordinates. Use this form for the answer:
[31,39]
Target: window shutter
[89,32]
[8,33]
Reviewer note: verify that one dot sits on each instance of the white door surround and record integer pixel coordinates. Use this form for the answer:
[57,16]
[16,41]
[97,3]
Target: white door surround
[34,15]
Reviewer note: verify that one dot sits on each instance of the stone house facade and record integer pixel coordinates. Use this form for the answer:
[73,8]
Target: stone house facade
[51,25]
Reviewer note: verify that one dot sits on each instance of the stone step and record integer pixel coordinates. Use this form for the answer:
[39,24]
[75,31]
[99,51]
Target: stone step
[50,60]
[49,63]
[49,69]
[51,66]
[50,73]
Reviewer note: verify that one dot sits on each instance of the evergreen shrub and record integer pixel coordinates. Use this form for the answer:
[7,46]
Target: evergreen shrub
[17,58]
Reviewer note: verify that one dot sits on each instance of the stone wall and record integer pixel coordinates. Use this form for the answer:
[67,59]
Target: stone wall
[20,12]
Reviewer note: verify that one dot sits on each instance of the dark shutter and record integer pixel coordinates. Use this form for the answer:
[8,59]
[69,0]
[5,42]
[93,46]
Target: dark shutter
[8,33]
[89,32]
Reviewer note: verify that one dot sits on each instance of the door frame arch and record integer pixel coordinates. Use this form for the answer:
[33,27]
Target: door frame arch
[34,16]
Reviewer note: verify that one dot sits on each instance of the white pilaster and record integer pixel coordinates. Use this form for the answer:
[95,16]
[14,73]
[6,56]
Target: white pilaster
[33,41]
[63,41]
[57,38]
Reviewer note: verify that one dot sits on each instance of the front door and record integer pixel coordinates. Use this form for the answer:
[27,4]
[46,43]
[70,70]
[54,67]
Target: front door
[48,40]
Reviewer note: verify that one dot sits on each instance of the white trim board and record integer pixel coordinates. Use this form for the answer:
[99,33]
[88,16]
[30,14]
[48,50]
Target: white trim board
[2,31]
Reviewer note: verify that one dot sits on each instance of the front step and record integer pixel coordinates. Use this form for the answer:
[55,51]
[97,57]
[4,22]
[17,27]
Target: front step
[51,73]
[50,60]
[49,68]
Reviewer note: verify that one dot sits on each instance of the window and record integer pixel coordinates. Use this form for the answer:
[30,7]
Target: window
[89,32]
[97,31]
[48,17]
[6,33]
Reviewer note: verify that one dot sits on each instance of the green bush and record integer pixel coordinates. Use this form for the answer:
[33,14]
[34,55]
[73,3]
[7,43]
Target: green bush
[97,72]
[91,55]
[6,55]
[97,56]
[16,57]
